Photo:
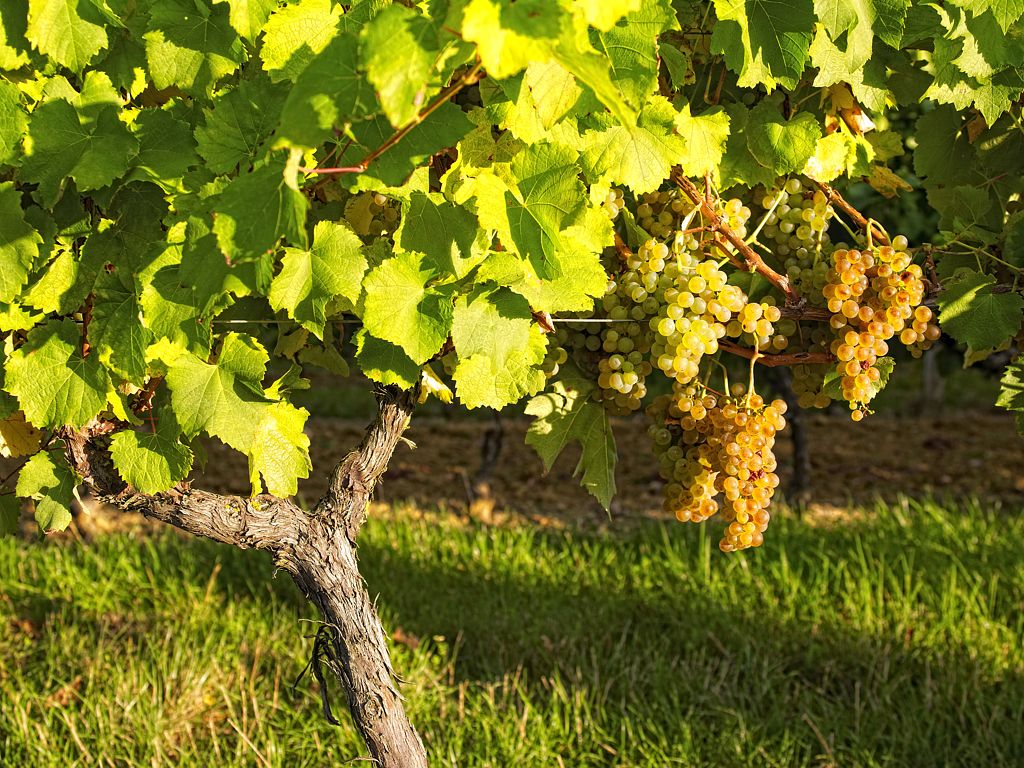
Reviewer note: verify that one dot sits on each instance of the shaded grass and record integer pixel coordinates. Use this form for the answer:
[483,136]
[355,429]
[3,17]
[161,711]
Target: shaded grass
[894,640]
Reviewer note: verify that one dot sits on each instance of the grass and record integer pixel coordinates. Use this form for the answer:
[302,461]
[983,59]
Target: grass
[890,640]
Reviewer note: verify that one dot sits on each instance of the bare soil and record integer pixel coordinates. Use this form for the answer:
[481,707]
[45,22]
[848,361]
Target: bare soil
[958,455]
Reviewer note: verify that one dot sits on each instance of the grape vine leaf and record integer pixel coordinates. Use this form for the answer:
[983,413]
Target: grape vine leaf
[404,82]
[295,34]
[13,122]
[441,128]
[632,48]
[330,92]
[706,136]
[247,17]
[604,14]
[280,450]
[783,146]
[400,306]
[150,462]
[54,384]
[17,436]
[1011,393]
[71,32]
[510,36]
[1006,12]
[567,414]
[64,143]
[13,45]
[639,156]
[19,244]
[580,280]
[166,148]
[191,45]
[48,479]
[385,362]
[500,348]
[226,400]
[529,219]
[444,232]
[975,314]
[238,122]
[116,331]
[256,210]
[333,267]
[765,42]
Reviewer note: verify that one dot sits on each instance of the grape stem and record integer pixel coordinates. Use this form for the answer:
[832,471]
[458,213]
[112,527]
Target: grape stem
[775,360]
[745,257]
[874,233]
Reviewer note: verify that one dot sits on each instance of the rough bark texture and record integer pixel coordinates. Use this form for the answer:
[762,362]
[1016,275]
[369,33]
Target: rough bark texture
[317,549]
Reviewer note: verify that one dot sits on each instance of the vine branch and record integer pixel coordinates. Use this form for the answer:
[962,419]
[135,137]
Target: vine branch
[775,360]
[745,256]
[856,216]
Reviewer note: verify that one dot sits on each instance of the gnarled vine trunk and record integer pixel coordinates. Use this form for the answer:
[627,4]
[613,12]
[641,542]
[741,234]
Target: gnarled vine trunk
[317,548]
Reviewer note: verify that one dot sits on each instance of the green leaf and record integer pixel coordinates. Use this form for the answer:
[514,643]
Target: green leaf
[444,232]
[1011,392]
[116,332]
[49,480]
[500,349]
[943,154]
[974,314]
[247,17]
[191,45]
[1005,11]
[13,122]
[19,244]
[968,211]
[226,400]
[13,25]
[256,210]
[295,34]
[639,157]
[309,279]
[400,307]
[529,219]
[150,463]
[71,32]
[280,450]
[10,514]
[765,42]
[329,93]
[603,14]
[510,36]
[54,384]
[166,148]
[581,278]
[567,414]
[404,82]
[706,136]
[385,362]
[856,18]
[739,165]
[632,47]
[783,146]
[66,143]
[238,122]
[442,128]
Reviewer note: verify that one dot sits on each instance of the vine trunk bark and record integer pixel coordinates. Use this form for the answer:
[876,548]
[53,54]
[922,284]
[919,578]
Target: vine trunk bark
[318,550]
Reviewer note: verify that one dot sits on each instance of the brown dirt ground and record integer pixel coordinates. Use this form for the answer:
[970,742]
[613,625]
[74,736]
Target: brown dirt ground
[973,454]
[956,455]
